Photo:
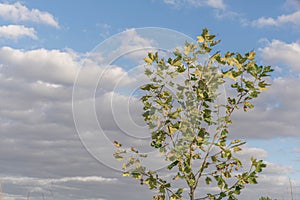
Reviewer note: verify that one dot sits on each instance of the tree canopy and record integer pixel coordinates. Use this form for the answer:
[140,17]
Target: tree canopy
[189,124]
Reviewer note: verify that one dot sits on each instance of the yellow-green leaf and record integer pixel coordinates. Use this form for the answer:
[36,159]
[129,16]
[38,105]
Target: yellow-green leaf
[124,166]
[148,60]
[177,63]
[126,174]
[171,130]
[229,75]
[117,144]
[200,39]
[118,157]
[198,73]
[262,88]
[236,149]
[187,50]
[251,55]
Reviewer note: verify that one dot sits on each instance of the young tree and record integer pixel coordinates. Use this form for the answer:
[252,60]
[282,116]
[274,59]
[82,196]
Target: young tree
[189,125]
[265,198]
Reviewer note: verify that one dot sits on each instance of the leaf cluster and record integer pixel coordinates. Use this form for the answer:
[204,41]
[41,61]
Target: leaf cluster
[182,111]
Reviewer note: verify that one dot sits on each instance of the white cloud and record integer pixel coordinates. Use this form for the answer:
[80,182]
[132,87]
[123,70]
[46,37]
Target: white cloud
[293,18]
[41,181]
[105,30]
[51,66]
[134,45]
[85,179]
[15,32]
[38,129]
[56,188]
[17,12]
[292,4]
[276,180]
[217,4]
[276,187]
[277,110]
[255,152]
[273,168]
[221,14]
[278,52]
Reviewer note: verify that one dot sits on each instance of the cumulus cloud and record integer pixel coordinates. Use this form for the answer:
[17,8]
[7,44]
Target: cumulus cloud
[52,66]
[17,12]
[218,4]
[255,152]
[274,180]
[39,143]
[35,188]
[281,53]
[293,18]
[15,32]
[276,111]
[25,180]
[36,115]
[279,169]
[273,186]
[132,46]
[292,4]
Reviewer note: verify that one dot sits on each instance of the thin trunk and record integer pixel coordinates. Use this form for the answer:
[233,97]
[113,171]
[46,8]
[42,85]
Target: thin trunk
[192,193]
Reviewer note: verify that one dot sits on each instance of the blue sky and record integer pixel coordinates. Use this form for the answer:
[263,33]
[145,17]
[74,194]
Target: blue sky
[43,44]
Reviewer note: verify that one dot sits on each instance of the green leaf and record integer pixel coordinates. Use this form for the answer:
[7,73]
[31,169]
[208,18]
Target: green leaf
[148,72]
[222,195]
[208,180]
[220,183]
[214,159]
[118,157]
[179,191]
[145,87]
[173,164]
[191,182]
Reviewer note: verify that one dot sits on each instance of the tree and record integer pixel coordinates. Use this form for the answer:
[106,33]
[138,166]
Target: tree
[265,198]
[189,125]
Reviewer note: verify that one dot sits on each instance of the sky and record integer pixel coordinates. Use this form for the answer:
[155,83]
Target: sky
[69,73]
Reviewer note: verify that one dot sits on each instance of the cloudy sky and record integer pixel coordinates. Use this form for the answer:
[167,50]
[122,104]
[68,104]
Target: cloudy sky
[69,72]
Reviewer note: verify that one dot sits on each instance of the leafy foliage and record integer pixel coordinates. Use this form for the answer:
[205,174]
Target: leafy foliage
[265,198]
[182,110]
